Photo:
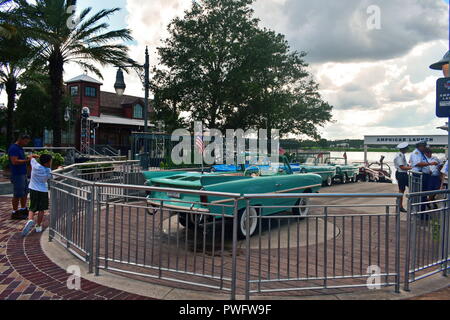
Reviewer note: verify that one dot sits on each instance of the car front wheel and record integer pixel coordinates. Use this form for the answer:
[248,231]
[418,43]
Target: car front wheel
[329,181]
[190,220]
[252,213]
[299,209]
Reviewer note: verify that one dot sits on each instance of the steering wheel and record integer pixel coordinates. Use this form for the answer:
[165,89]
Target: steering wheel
[249,173]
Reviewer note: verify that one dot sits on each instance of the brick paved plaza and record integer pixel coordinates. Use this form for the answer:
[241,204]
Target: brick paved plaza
[26,273]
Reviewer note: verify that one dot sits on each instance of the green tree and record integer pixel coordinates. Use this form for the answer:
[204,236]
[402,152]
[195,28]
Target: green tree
[60,39]
[7,30]
[34,97]
[219,66]
[167,100]
[15,58]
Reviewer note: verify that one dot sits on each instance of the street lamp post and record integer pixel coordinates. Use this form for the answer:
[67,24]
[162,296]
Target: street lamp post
[67,118]
[120,87]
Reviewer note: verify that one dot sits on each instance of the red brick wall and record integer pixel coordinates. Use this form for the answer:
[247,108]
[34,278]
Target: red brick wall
[92,102]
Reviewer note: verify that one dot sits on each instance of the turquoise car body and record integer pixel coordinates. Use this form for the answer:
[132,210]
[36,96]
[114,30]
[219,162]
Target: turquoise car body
[344,171]
[316,166]
[281,181]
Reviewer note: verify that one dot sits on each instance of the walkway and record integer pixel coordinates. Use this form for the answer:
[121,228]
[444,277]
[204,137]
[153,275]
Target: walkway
[27,274]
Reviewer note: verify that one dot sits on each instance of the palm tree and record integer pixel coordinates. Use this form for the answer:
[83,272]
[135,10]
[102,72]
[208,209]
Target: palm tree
[13,71]
[15,58]
[6,30]
[59,40]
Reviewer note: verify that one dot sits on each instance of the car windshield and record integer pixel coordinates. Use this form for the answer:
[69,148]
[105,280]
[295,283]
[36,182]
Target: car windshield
[337,161]
[310,161]
[273,168]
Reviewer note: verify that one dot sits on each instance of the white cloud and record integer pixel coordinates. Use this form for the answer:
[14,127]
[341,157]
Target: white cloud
[378,81]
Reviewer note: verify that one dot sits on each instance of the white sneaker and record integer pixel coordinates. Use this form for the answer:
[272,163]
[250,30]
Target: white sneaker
[28,227]
[38,230]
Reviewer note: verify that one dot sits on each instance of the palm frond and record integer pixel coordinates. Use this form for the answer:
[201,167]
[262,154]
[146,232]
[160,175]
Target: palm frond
[105,13]
[90,67]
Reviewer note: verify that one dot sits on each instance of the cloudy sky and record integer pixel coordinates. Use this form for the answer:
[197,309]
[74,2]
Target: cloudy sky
[376,76]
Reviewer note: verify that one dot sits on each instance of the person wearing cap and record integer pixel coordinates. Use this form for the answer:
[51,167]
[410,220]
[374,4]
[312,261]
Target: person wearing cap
[421,165]
[444,175]
[419,162]
[402,170]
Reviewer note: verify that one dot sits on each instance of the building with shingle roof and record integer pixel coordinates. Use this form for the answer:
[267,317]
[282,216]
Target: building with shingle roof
[113,117]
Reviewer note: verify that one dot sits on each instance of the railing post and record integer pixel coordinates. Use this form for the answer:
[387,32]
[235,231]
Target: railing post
[234,251]
[446,236]
[325,254]
[69,217]
[398,246]
[89,228]
[96,235]
[53,212]
[247,252]
[408,243]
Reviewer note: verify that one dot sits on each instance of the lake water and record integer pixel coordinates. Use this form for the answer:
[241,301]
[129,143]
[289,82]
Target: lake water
[376,156]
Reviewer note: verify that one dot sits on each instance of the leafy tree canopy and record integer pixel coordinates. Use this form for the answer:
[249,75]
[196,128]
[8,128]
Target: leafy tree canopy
[220,67]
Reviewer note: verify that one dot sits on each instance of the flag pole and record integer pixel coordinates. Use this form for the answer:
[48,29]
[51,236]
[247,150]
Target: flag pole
[203,167]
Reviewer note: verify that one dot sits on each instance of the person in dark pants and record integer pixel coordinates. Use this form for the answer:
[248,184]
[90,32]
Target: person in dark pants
[420,164]
[435,182]
[402,170]
[40,175]
[18,164]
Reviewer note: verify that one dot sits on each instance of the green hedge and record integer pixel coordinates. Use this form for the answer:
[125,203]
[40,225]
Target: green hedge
[58,159]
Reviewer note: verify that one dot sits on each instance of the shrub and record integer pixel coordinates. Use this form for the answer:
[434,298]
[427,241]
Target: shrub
[4,162]
[58,159]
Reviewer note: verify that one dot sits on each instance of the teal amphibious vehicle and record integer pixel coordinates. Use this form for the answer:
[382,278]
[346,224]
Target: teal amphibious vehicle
[270,178]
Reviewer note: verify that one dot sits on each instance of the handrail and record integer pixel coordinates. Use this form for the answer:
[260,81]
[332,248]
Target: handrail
[322,195]
[183,191]
[94,163]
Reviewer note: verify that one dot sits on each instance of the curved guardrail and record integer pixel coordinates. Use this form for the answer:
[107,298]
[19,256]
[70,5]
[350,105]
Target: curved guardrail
[105,215]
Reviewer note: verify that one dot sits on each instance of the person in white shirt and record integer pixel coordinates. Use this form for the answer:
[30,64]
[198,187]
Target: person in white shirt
[402,170]
[434,182]
[40,174]
[444,174]
[420,164]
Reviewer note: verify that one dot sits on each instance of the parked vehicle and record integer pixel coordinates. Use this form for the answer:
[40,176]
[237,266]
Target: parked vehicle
[344,172]
[315,165]
[275,177]
[376,172]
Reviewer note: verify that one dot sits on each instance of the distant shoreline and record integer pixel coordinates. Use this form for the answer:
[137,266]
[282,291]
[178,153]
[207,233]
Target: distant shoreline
[435,150]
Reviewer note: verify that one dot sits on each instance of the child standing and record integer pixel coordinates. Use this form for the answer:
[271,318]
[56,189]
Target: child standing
[40,174]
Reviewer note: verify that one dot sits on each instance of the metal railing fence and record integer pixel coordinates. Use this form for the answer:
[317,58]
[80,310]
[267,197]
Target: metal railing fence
[428,230]
[108,218]
[415,182]
[72,208]
[143,237]
[333,247]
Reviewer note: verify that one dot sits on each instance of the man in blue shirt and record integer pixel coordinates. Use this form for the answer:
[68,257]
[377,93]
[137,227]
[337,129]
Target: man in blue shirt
[18,164]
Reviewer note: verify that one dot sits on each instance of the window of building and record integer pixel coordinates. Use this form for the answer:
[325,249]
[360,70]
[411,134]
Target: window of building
[138,112]
[91,92]
[74,91]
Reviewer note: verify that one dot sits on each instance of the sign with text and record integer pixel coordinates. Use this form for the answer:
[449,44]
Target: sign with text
[433,140]
[443,98]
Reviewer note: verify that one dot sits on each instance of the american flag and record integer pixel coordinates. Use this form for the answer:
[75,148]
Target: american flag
[199,144]
[345,156]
